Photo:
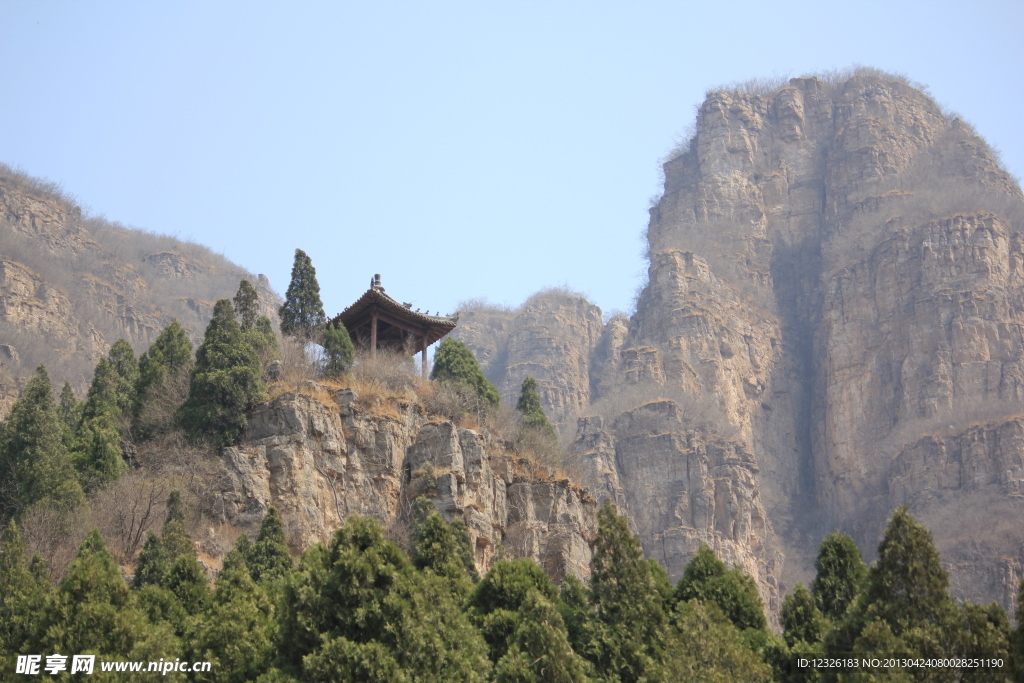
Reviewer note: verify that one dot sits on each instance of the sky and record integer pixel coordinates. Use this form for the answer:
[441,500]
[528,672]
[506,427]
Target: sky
[463,150]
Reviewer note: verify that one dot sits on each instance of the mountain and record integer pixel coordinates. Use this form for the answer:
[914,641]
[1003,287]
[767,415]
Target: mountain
[831,327]
[71,285]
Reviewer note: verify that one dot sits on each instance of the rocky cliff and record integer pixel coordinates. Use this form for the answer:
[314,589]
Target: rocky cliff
[832,326]
[71,285]
[320,456]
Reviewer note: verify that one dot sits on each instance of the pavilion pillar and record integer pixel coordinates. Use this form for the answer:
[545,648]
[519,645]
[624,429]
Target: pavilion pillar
[423,357]
[373,334]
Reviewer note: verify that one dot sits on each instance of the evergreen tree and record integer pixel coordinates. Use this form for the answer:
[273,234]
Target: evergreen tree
[339,351]
[170,353]
[539,651]
[533,414]
[627,601]
[68,407]
[801,618]
[34,463]
[247,305]
[126,369]
[302,313]
[359,609]
[442,548]
[236,633]
[706,579]
[262,339]
[225,381]
[92,610]
[268,558]
[498,597]
[703,645]
[455,363]
[840,574]
[22,595]
[96,448]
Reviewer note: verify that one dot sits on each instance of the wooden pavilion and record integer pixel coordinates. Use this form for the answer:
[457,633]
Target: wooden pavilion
[376,320]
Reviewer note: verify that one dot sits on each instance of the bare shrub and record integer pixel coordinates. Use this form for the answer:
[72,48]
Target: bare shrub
[54,535]
[126,509]
[388,373]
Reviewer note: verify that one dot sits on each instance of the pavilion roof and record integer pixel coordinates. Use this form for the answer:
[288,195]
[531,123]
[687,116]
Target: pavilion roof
[432,327]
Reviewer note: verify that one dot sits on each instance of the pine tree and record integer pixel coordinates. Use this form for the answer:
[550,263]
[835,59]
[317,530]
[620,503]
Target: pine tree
[163,369]
[126,369]
[801,618]
[268,558]
[247,305]
[96,448]
[539,650]
[455,363]
[302,313]
[22,594]
[34,464]
[68,407]
[262,339]
[707,579]
[225,381]
[626,599]
[533,414]
[359,608]
[703,645]
[339,351]
[442,548]
[840,574]
[236,633]
[93,609]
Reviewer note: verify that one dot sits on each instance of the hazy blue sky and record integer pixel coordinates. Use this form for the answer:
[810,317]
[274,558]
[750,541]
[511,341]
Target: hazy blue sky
[471,149]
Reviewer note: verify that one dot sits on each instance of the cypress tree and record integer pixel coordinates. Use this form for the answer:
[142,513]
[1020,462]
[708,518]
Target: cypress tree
[539,650]
[96,449]
[262,339]
[34,464]
[126,375]
[442,548]
[533,414]
[360,606]
[707,579]
[801,618]
[302,313]
[455,363]
[22,594]
[247,305]
[225,381]
[68,407]
[339,351]
[840,574]
[169,353]
[268,558]
[236,633]
[703,645]
[627,600]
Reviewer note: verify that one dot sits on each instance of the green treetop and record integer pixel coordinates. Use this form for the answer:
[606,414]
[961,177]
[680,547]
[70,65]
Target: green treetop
[533,414]
[840,574]
[126,375]
[707,579]
[268,558]
[225,383]
[339,351]
[34,464]
[455,363]
[247,305]
[302,313]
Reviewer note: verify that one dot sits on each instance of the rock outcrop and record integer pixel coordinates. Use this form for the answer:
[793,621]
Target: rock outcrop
[319,463]
[834,300]
[71,285]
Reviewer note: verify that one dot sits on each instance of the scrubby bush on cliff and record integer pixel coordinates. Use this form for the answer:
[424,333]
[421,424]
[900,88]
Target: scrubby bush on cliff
[225,382]
[455,363]
[533,414]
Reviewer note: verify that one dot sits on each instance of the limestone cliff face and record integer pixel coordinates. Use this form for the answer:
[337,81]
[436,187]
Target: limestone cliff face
[834,310]
[319,463]
[70,286]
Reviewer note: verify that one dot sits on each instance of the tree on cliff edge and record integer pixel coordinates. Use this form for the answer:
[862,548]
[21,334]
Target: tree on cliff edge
[455,363]
[302,312]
